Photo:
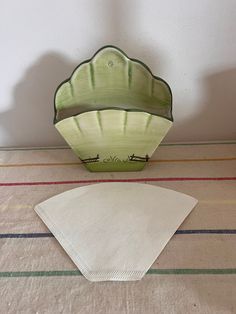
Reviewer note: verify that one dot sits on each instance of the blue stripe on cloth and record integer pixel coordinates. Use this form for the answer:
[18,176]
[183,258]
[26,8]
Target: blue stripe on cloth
[178,232]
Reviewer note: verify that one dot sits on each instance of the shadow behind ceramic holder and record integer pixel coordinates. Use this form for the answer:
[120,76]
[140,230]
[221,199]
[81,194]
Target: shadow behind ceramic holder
[113,112]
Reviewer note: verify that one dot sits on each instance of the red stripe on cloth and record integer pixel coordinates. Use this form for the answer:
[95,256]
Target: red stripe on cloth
[117,180]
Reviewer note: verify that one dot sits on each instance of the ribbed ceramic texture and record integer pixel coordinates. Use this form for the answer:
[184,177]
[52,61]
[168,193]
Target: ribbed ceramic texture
[114,140]
[111,79]
[113,112]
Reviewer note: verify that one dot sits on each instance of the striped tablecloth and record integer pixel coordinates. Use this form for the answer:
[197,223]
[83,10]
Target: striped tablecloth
[196,272]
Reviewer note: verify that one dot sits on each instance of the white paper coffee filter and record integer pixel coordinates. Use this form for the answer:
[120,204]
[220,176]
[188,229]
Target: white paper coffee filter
[115,231]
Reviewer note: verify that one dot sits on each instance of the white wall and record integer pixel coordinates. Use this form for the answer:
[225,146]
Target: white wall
[189,43]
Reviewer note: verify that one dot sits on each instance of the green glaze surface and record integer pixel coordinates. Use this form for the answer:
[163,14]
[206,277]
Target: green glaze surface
[114,140]
[111,79]
[113,111]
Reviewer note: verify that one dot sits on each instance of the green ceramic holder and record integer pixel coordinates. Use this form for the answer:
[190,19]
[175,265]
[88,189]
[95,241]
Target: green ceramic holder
[113,112]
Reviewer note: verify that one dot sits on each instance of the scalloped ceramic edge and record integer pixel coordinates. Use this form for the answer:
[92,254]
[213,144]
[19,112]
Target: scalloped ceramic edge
[110,79]
[103,145]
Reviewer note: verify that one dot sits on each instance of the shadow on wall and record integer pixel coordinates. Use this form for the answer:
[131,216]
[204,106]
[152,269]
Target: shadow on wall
[217,112]
[29,121]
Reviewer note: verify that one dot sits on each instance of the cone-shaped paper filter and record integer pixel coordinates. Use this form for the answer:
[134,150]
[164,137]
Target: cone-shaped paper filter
[115,231]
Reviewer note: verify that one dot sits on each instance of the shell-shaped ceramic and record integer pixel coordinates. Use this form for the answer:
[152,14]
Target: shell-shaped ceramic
[112,80]
[113,111]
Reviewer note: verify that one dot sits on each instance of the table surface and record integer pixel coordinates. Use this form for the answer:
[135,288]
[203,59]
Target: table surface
[195,273]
